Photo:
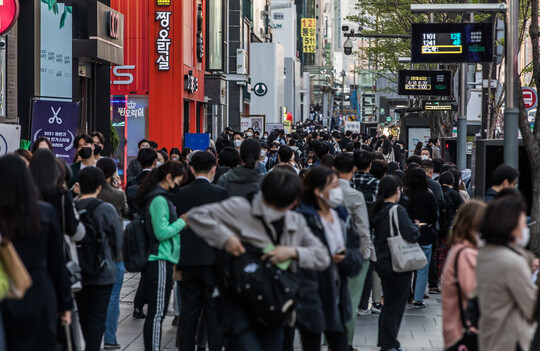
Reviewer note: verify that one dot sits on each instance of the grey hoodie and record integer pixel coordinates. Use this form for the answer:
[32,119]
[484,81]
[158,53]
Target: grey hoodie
[241,181]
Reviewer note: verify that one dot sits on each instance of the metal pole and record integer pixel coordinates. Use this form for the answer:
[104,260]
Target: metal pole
[342,93]
[462,117]
[511,112]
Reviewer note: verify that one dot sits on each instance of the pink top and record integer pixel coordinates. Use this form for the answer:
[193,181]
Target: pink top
[452,326]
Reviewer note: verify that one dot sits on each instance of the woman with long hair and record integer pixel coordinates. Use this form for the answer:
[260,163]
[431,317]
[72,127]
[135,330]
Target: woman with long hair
[395,286]
[32,227]
[464,249]
[163,238]
[422,208]
[324,305]
[506,293]
[387,150]
[418,149]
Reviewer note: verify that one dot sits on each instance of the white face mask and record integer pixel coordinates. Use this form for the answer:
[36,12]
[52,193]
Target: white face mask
[335,197]
[158,164]
[237,143]
[424,157]
[525,237]
[249,134]
[263,153]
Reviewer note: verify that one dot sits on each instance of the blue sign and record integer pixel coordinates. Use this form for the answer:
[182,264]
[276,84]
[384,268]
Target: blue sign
[58,121]
[197,141]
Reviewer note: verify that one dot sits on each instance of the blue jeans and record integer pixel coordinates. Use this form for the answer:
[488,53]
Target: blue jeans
[113,311]
[422,276]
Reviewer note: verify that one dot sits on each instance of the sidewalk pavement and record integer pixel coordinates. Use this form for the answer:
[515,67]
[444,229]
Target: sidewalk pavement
[420,329]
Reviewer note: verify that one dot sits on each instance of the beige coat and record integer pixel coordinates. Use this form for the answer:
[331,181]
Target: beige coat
[355,203]
[507,298]
[216,223]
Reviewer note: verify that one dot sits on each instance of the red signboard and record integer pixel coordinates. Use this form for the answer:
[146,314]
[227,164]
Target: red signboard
[9,11]
[530,97]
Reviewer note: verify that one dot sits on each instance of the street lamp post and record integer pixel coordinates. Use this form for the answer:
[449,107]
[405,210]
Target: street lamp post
[343,75]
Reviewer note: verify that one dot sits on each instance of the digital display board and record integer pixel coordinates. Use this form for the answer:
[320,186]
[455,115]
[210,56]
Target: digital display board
[439,105]
[451,42]
[432,83]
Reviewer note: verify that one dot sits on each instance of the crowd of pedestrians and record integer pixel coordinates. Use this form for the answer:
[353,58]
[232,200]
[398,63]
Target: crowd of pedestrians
[260,239]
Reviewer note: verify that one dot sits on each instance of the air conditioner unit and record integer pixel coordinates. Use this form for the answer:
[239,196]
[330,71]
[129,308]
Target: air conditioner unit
[241,61]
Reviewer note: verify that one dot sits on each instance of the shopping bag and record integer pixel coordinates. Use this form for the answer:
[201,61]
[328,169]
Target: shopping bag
[406,256]
[19,279]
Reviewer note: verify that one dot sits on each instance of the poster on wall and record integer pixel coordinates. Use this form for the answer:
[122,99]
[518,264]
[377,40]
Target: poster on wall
[270,127]
[417,135]
[353,126]
[10,138]
[56,51]
[58,121]
[245,123]
[257,123]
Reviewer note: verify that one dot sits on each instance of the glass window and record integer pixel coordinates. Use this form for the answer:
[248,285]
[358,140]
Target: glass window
[215,35]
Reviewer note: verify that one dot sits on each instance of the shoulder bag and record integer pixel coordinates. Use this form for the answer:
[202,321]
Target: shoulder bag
[19,278]
[406,256]
[469,340]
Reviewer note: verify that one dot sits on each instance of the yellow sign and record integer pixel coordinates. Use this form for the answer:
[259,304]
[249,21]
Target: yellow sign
[163,2]
[287,127]
[309,35]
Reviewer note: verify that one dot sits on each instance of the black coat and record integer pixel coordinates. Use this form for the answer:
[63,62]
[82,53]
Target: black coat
[194,251]
[317,310]
[30,323]
[424,208]
[380,223]
[67,212]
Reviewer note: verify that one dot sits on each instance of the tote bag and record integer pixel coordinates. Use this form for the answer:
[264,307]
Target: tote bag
[406,256]
[19,279]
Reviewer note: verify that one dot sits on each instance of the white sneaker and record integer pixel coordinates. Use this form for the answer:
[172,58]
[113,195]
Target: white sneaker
[364,312]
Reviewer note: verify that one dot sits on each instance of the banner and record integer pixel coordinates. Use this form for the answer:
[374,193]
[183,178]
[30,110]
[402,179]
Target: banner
[270,127]
[353,126]
[58,121]
[245,123]
[10,138]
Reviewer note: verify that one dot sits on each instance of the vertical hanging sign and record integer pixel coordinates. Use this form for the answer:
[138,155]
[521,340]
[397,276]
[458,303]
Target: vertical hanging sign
[163,42]
[309,35]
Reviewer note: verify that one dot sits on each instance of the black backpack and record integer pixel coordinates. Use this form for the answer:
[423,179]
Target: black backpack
[135,250]
[446,213]
[91,248]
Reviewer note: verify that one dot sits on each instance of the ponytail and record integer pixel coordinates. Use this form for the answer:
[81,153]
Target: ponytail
[150,183]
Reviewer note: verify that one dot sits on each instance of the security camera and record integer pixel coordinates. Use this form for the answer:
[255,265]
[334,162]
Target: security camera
[345,28]
[2,44]
[347,47]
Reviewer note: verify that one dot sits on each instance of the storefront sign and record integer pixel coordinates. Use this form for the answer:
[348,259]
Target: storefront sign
[163,42]
[353,126]
[131,110]
[309,35]
[163,2]
[117,73]
[270,127]
[9,12]
[191,84]
[114,24]
[58,121]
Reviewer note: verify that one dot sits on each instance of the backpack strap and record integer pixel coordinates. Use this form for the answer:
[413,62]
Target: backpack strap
[93,205]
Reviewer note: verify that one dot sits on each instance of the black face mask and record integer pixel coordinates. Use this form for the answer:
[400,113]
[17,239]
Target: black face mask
[85,152]
[175,189]
[97,150]
[272,151]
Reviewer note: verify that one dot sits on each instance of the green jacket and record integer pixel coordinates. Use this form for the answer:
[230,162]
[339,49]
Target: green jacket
[167,233]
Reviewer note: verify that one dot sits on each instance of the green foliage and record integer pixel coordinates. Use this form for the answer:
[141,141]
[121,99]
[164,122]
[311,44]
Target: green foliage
[53,6]
[115,140]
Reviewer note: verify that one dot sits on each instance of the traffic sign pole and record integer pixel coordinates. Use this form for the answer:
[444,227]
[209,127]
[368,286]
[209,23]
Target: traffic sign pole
[511,112]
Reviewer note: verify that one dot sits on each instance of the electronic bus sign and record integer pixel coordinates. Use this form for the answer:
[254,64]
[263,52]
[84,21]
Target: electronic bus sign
[451,42]
[427,83]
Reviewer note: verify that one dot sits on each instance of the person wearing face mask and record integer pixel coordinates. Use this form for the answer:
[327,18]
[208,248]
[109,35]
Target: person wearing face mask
[84,144]
[425,154]
[324,306]
[175,154]
[462,255]
[163,237]
[395,285]
[272,155]
[161,157]
[506,293]
[238,139]
[263,159]
[197,257]
[261,222]
[99,142]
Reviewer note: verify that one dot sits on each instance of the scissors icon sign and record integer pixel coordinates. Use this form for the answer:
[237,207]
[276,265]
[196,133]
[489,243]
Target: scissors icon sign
[55,117]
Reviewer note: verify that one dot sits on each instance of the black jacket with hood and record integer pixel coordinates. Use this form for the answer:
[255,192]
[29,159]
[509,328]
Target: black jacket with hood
[241,181]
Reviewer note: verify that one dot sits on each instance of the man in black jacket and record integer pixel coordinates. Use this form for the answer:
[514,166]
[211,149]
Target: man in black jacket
[503,177]
[196,257]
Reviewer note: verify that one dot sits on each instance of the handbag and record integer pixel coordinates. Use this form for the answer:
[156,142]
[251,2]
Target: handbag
[469,340]
[406,256]
[19,278]
[72,259]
